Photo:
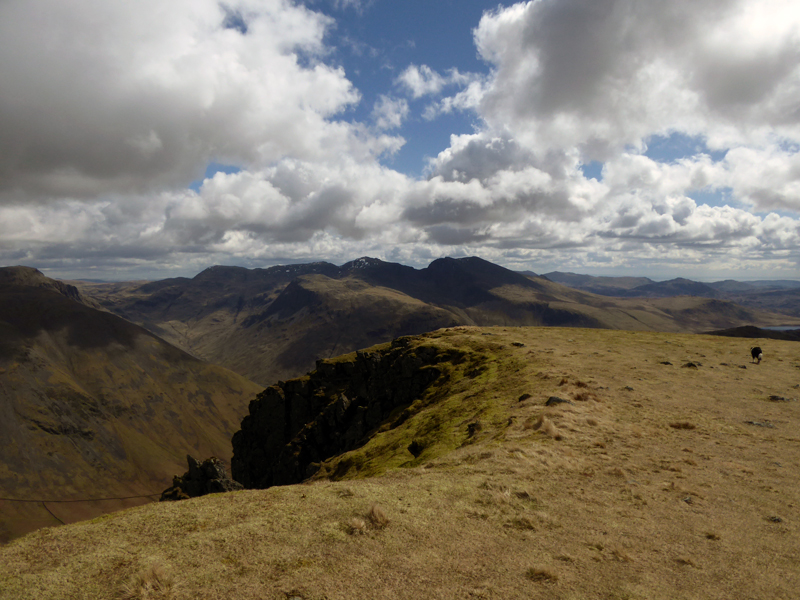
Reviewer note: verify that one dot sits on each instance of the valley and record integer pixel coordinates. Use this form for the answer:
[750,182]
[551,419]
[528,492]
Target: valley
[95,407]
[271,324]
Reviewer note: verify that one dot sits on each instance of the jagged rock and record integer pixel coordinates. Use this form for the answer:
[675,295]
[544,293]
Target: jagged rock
[208,477]
[554,400]
[294,426]
[775,398]
[416,448]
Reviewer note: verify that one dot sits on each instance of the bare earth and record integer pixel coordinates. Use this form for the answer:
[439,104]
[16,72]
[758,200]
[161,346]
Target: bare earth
[658,481]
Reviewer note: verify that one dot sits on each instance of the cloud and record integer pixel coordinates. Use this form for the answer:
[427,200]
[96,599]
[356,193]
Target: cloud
[103,97]
[421,80]
[108,111]
[577,81]
[358,5]
[605,75]
[389,113]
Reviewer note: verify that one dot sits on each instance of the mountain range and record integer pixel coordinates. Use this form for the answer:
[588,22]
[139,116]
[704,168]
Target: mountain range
[781,296]
[270,324]
[106,387]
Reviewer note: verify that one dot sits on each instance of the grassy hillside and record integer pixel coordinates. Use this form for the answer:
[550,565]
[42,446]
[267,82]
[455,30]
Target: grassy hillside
[672,472]
[92,406]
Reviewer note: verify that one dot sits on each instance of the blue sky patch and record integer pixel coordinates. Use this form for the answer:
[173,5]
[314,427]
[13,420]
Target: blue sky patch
[678,145]
[211,170]
[593,170]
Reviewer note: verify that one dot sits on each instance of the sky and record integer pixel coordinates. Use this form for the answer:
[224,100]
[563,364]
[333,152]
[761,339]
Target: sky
[151,139]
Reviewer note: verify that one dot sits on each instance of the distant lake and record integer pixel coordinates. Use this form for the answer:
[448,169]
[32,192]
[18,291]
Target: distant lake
[782,328]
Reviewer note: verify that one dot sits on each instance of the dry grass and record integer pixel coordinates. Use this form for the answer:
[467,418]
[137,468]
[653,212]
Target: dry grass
[621,508]
[682,425]
[541,575]
[377,517]
[356,526]
[544,425]
[151,584]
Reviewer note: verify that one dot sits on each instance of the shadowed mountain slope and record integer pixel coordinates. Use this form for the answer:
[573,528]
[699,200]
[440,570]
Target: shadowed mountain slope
[749,331]
[270,324]
[92,406]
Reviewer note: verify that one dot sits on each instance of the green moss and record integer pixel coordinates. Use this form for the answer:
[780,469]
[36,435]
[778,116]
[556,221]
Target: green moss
[475,370]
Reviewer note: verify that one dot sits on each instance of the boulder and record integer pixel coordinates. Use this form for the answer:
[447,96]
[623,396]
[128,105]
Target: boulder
[208,477]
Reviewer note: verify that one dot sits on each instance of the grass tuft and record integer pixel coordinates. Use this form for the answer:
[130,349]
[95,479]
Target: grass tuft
[546,426]
[682,425]
[541,575]
[377,517]
[356,526]
[151,584]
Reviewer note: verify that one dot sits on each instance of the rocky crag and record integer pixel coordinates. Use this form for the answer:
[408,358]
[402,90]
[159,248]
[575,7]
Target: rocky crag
[293,426]
[208,477]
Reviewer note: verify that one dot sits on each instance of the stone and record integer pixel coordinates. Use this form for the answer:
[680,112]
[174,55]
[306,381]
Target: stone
[416,448]
[554,400]
[208,477]
[775,398]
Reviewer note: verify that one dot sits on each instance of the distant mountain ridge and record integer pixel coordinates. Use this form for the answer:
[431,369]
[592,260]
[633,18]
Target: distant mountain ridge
[780,295]
[30,277]
[274,323]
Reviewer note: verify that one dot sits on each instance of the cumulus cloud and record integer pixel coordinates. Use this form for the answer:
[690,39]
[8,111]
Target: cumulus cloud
[105,134]
[421,80]
[604,75]
[389,113]
[577,81]
[102,97]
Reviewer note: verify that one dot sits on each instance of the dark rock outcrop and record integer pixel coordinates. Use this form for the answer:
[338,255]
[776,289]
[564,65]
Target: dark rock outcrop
[750,331]
[293,426]
[555,400]
[208,477]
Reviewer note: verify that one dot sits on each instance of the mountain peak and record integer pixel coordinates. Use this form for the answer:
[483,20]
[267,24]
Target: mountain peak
[30,277]
[21,275]
[365,262]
